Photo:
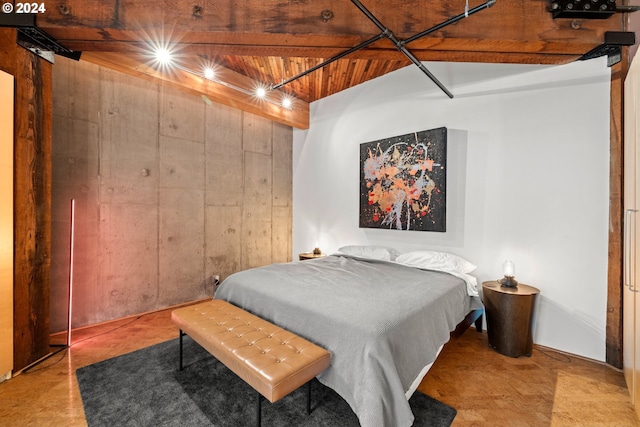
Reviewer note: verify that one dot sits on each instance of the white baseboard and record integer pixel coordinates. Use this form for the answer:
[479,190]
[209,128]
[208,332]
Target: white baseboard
[5,377]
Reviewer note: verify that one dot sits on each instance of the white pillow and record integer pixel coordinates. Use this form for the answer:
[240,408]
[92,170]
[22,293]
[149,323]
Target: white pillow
[382,253]
[432,260]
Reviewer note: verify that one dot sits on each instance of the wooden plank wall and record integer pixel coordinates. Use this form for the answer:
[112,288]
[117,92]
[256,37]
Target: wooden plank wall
[32,197]
[613,340]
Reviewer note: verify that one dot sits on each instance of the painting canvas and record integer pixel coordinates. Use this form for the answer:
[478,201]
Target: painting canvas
[403,182]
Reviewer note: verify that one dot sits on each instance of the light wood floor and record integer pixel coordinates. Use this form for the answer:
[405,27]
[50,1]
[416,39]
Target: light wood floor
[487,389]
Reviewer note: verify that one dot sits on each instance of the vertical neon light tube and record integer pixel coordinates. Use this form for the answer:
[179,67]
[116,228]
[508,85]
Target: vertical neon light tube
[71,242]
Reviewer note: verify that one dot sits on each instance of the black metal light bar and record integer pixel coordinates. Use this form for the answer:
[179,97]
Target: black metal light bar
[419,64]
[612,46]
[32,38]
[450,21]
[329,61]
[400,44]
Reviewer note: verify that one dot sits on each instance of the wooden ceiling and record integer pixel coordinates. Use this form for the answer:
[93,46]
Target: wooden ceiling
[265,42]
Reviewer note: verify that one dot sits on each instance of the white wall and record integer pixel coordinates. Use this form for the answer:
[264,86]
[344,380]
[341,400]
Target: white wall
[528,179]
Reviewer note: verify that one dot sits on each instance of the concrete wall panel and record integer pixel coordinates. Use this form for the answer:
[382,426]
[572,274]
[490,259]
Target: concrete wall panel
[256,134]
[75,170]
[128,139]
[281,233]
[224,240]
[182,115]
[169,193]
[181,246]
[76,142]
[86,252]
[128,275]
[182,164]
[282,168]
[79,90]
[224,161]
[257,220]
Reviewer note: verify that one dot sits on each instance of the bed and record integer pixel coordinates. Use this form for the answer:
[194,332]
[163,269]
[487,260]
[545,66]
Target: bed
[383,321]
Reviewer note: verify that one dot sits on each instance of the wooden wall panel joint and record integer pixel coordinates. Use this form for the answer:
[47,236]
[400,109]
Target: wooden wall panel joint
[32,198]
[613,338]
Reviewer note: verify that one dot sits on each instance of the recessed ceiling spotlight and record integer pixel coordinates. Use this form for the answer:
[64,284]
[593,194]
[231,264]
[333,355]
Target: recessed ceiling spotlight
[163,56]
[261,92]
[209,74]
[286,102]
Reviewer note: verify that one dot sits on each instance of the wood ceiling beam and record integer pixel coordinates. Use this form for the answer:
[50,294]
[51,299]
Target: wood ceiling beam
[321,29]
[137,66]
[512,51]
[253,37]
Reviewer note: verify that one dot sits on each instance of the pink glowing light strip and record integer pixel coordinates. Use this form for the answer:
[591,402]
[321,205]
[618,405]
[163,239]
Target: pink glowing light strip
[71,243]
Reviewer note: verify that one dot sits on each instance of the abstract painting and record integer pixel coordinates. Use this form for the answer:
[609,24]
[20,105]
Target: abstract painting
[403,182]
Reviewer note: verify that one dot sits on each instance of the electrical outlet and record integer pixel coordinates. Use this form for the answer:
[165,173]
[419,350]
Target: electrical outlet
[216,282]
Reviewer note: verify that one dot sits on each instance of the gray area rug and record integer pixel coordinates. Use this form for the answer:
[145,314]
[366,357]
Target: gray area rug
[145,388]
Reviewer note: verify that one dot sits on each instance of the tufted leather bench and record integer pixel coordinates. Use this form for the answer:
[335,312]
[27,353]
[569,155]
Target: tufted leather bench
[270,359]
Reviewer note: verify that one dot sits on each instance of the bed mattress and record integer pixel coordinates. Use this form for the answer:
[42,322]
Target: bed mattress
[383,322]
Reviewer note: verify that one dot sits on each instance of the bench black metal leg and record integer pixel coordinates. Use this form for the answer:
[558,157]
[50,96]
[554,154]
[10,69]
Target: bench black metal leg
[308,397]
[259,411]
[181,335]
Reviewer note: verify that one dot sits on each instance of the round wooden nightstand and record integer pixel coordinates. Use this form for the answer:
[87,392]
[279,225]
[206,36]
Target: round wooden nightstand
[309,255]
[509,314]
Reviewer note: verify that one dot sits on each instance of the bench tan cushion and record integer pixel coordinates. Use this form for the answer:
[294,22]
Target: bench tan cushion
[270,359]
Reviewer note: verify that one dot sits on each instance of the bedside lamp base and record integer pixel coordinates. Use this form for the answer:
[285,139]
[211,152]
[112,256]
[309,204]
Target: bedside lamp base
[508,282]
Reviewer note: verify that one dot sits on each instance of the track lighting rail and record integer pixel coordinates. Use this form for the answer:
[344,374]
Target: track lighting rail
[400,44]
[328,61]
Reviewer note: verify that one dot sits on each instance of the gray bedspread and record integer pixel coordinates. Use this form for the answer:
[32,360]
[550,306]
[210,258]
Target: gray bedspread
[382,322]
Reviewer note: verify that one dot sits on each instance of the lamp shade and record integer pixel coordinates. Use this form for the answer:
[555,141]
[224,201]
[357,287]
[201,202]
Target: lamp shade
[508,268]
